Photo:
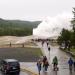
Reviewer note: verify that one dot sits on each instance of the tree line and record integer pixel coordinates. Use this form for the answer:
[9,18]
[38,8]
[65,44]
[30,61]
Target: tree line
[17,27]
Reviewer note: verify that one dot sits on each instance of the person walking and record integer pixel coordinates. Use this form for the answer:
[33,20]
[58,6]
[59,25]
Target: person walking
[49,51]
[70,62]
[49,48]
[45,65]
[39,63]
[44,59]
[47,42]
[42,43]
[55,63]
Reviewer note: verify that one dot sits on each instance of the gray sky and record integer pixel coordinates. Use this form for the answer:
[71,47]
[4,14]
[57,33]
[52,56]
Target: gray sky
[33,9]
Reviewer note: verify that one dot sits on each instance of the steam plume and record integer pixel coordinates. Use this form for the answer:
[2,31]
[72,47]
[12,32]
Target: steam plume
[52,26]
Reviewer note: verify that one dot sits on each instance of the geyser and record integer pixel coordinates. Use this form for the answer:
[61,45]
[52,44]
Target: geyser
[52,26]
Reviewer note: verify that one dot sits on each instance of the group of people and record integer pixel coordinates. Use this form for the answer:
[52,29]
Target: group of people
[48,46]
[71,64]
[47,42]
[42,63]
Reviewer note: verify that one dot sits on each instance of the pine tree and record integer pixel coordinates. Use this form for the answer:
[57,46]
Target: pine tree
[73,23]
[73,20]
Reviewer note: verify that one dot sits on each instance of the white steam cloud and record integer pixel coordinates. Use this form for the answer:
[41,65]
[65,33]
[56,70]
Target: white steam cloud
[52,26]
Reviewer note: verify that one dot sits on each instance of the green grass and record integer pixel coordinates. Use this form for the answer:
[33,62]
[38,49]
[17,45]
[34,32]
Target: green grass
[22,54]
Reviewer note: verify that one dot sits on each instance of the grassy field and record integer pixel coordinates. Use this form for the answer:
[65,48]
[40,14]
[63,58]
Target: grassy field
[22,54]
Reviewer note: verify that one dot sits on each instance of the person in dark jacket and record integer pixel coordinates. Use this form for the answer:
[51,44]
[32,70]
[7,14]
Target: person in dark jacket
[44,59]
[39,65]
[45,65]
[70,62]
[49,48]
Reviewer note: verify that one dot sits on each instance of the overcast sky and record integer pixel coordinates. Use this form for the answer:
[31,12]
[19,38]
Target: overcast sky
[34,9]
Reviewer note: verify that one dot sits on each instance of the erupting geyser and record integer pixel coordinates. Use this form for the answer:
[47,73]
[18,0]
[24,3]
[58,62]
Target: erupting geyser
[52,26]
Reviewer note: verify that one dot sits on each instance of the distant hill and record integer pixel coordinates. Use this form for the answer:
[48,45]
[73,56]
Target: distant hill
[25,23]
[17,27]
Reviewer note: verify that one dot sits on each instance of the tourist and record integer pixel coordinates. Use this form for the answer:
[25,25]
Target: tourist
[70,62]
[42,43]
[44,59]
[55,63]
[49,48]
[39,65]
[47,43]
[45,65]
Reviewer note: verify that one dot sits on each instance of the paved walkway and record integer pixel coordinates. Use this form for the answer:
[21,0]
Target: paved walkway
[29,67]
[62,58]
